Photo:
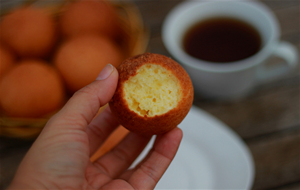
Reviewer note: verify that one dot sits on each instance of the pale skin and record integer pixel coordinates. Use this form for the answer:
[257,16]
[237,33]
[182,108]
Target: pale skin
[60,157]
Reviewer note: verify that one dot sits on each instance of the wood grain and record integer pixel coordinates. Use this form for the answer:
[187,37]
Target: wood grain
[292,186]
[276,158]
[267,110]
[154,12]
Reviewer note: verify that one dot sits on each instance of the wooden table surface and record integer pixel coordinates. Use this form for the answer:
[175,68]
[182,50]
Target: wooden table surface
[268,120]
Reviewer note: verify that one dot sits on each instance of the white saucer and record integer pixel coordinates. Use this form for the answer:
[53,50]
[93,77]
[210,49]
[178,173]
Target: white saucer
[211,156]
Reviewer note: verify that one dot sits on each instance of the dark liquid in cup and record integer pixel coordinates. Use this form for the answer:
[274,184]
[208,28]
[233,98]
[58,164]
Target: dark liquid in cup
[222,40]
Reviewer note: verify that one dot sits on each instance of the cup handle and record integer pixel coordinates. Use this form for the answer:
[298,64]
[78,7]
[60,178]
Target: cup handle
[288,53]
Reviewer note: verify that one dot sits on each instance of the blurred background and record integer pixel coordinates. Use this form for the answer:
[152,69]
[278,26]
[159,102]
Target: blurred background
[268,120]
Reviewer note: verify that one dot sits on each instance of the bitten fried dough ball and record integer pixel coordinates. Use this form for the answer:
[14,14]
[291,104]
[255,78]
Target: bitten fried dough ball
[154,94]
[81,59]
[86,17]
[32,88]
[29,31]
[7,60]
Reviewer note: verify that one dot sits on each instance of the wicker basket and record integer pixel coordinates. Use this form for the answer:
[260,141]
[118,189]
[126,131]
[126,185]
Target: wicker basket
[137,37]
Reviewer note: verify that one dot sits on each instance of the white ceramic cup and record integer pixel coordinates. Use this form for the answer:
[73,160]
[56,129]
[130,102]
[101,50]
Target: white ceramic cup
[234,79]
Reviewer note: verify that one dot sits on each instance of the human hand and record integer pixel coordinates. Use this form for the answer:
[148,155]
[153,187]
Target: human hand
[60,157]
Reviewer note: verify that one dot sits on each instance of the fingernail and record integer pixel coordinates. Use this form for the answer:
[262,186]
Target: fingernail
[106,71]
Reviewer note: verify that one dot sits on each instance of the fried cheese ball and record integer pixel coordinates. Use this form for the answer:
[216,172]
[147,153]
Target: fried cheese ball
[89,17]
[80,59]
[29,31]
[154,94]
[32,89]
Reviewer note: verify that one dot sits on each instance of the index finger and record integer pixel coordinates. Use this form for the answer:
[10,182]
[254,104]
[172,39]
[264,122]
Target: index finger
[149,172]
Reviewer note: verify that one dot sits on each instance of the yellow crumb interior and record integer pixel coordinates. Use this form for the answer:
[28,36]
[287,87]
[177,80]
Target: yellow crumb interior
[152,91]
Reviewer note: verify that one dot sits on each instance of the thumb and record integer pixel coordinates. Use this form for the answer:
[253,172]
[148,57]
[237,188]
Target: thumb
[85,103]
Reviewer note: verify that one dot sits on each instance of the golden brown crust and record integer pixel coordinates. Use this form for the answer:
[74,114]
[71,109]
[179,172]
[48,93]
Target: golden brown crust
[29,32]
[160,123]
